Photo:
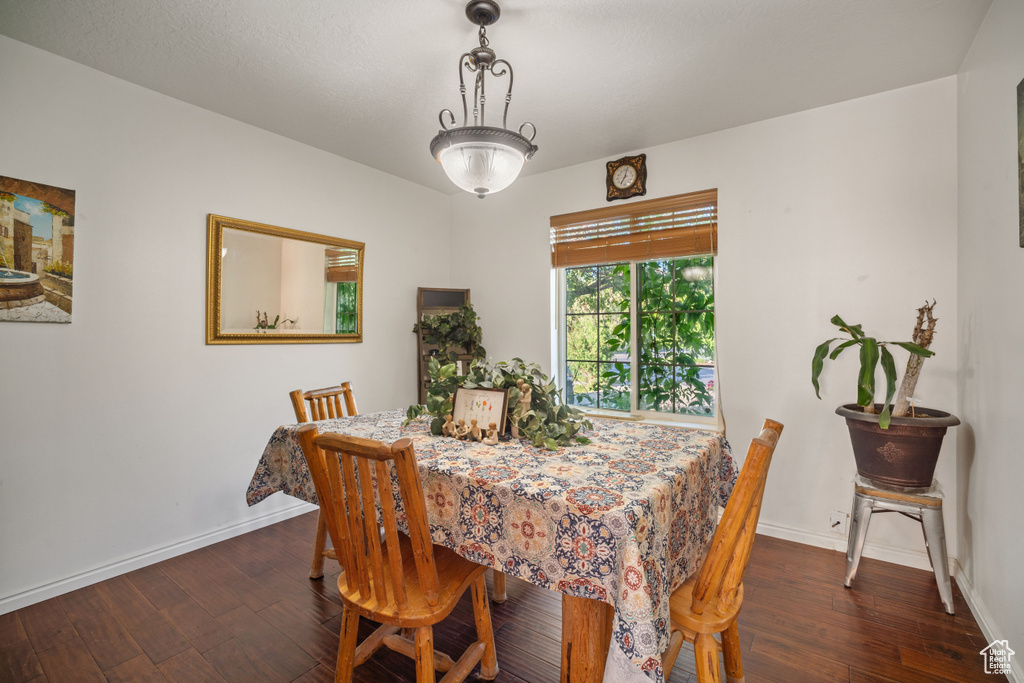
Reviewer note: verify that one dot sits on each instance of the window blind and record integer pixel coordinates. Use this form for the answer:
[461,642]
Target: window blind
[342,265]
[669,227]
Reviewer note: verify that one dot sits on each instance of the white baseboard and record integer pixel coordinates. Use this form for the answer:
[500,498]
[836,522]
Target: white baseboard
[985,623]
[917,559]
[10,603]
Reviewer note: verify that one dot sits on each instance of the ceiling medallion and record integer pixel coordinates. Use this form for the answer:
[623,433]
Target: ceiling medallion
[479,158]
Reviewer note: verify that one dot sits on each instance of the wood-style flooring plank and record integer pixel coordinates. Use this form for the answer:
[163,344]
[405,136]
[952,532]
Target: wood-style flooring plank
[18,662]
[70,661]
[235,663]
[137,670]
[11,630]
[189,667]
[156,587]
[272,646]
[196,624]
[46,624]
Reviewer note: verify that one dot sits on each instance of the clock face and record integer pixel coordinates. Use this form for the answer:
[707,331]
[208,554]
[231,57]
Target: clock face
[624,176]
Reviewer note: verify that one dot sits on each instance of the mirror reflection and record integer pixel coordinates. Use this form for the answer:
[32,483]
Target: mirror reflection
[275,285]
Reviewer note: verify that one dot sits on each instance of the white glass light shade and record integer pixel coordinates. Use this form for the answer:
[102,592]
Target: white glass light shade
[480,159]
[481,167]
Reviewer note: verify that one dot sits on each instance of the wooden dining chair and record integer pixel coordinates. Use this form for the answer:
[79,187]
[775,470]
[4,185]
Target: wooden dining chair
[324,404]
[401,581]
[709,602]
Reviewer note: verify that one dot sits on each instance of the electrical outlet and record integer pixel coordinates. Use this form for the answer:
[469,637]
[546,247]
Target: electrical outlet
[837,522]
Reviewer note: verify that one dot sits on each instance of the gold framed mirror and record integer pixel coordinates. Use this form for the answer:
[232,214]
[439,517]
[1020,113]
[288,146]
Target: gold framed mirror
[271,285]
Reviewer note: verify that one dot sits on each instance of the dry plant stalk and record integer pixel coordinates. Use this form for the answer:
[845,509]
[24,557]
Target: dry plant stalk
[923,333]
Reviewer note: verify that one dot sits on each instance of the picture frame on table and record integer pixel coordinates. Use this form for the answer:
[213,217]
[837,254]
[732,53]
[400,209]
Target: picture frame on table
[481,404]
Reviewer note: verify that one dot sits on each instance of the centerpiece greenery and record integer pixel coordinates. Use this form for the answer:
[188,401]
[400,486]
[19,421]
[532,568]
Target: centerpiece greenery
[450,332]
[548,423]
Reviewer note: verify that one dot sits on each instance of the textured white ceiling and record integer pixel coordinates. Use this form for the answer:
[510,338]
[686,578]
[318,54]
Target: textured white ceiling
[366,79]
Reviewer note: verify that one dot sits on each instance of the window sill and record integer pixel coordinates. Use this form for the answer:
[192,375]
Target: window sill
[652,420]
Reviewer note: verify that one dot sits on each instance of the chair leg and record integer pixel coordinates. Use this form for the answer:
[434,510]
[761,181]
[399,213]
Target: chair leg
[861,518]
[425,654]
[316,571]
[347,646]
[668,658]
[706,651]
[731,650]
[935,541]
[484,630]
[499,594]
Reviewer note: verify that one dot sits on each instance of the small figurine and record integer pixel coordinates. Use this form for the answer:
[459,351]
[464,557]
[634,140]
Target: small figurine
[525,394]
[492,435]
[448,428]
[462,431]
[474,431]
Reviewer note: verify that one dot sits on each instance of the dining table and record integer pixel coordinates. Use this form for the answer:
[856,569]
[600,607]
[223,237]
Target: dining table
[615,524]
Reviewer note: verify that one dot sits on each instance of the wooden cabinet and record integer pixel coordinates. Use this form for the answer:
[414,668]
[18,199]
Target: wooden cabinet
[431,301]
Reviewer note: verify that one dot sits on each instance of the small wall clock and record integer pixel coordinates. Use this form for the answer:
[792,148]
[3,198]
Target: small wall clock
[627,177]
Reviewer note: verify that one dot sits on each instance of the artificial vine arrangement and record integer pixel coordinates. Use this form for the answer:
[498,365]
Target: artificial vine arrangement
[452,331]
[548,423]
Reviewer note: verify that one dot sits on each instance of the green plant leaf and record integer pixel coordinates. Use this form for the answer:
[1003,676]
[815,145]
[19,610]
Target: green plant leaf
[889,367]
[817,363]
[868,362]
[551,444]
[854,331]
[915,349]
[842,347]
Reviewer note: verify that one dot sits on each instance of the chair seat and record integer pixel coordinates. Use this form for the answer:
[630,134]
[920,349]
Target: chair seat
[711,621]
[456,574]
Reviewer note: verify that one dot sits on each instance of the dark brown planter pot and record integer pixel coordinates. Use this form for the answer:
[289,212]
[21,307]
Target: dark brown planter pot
[905,454]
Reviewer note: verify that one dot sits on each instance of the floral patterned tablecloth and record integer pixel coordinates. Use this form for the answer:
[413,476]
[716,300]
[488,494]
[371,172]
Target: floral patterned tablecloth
[624,519]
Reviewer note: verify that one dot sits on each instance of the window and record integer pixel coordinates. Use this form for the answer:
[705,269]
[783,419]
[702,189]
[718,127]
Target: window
[346,314]
[637,307]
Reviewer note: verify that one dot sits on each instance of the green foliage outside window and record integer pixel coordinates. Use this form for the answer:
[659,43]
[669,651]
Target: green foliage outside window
[676,341]
[346,310]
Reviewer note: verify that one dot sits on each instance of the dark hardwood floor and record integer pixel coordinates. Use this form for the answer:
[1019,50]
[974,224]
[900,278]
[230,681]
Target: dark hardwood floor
[244,610]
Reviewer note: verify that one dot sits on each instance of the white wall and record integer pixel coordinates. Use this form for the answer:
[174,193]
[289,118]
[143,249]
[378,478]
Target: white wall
[123,433]
[848,209]
[990,465]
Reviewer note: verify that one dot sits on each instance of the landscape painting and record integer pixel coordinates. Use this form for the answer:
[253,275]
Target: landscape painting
[1020,158]
[37,250]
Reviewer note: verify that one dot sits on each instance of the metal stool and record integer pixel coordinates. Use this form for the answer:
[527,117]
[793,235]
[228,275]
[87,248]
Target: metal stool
[923,505]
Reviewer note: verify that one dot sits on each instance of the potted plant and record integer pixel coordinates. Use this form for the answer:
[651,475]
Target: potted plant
[452,332]
[894,445]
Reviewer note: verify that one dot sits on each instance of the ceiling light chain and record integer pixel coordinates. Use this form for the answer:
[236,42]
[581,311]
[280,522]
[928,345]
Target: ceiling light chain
[482,159]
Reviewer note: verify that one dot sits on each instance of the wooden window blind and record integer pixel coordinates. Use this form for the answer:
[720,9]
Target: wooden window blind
[342,265]
[669,227]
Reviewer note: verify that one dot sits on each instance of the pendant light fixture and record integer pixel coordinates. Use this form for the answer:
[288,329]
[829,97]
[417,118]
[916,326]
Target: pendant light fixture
[479,158]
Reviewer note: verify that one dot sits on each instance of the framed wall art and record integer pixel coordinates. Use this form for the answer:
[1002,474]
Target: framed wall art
[37,250]
[1020,160]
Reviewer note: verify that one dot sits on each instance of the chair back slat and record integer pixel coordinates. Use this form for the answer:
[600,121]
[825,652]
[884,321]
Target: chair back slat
[324,404]
[344,469]
[387,507]
[721,574]
[355,524]
[416,516]
[371,529]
